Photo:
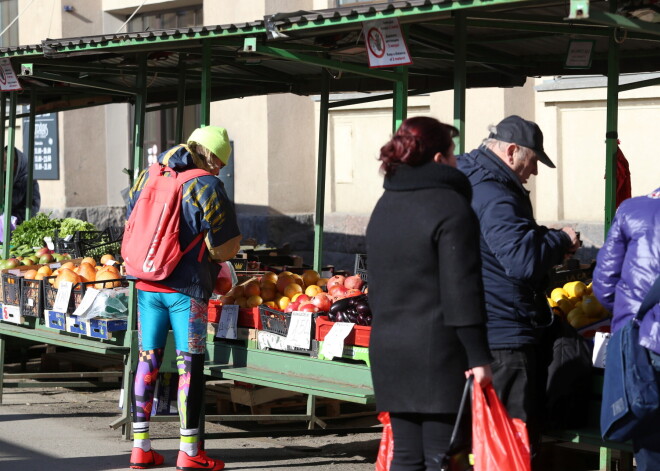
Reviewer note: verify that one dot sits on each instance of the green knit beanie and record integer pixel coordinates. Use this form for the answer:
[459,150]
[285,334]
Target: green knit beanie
[215,139]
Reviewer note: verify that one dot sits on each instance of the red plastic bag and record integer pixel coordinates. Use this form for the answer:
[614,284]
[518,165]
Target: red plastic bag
[499,443]
[386,449]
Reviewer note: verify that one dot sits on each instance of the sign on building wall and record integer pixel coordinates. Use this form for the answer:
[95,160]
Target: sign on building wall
[386,45]
[46,145]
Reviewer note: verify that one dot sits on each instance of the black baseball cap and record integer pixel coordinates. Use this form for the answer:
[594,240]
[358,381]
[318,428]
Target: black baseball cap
[524,133]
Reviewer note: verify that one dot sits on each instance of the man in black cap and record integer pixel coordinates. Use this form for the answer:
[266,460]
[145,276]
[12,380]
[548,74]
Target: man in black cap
[517,255]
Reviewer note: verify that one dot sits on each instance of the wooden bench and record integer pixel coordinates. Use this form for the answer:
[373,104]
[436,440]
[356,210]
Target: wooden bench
[589,435]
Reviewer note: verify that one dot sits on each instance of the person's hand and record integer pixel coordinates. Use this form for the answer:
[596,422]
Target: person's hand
[575,240]
[482,374]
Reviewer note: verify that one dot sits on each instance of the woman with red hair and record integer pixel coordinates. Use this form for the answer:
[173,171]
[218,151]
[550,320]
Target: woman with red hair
[425,291]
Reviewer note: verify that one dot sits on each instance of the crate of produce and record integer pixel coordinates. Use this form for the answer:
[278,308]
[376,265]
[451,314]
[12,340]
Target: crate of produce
[351,354]
[77,292]
[361,266]
[108,243]
[32,298]
[11,289]
[359,335]
[275,326]
[250,317]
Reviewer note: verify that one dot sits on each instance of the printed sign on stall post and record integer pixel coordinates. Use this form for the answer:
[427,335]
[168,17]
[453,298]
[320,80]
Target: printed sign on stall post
[8,79]
[386,46]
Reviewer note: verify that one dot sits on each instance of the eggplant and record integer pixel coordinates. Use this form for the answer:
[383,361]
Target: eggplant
[340,317]
[332,316]
[363,308]
[361,319]
[340,305]
[351,315]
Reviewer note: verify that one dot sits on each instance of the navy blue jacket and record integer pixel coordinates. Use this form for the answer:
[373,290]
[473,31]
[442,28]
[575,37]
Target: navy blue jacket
[516,252]
[19,194]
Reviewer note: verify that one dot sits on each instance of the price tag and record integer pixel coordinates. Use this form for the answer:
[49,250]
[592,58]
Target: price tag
[61,303]
[300,329]
[87,301]
[49,243]
[333,344]
[228,321]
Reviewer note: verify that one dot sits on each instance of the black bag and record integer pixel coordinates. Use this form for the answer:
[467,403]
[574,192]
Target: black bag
[457,457]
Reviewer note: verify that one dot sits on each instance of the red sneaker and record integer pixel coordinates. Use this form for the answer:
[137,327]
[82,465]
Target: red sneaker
[199,461]
[141,459]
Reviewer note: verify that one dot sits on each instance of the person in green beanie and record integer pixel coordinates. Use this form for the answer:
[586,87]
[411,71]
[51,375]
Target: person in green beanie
[179,302]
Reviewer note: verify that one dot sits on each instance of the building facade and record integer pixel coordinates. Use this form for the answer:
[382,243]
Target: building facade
[275,137]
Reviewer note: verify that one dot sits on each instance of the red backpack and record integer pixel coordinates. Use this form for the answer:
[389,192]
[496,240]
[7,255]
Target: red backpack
[150,247]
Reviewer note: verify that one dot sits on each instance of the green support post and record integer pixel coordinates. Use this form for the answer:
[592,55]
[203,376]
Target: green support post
[9,174]
[181,99]
[400,100]
[140,110]
[205,103]
[30,155]
[611,137]
[3,118]
[320,171]
[460,80]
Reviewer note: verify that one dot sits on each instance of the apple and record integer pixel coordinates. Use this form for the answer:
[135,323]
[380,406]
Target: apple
[309,307]
[27,261]
[354,282]
[337,290]
[322,301]
[46,258]
[42,251]
[66,256]
[57,257]
[12,263]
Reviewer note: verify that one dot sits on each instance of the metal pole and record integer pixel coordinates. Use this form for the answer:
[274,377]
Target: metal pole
[320,171]
[9,174]
[30,155]
[205,118]
[140,110]
[3,117]
[181,99]
[460,80]
[611,135]
[400,104]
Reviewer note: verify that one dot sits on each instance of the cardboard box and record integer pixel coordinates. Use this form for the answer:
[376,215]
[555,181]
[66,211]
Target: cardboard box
[103,328]
[55,320]
[12,314]
[76,325]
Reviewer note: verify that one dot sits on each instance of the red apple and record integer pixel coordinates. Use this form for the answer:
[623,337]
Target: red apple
[354,282]
[42,251]
[309,307]
[292,307]
[323,301]
[335,280]
[337,290]
[302,299]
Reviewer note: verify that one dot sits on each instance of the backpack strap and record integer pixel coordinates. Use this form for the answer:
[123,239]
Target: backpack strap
[651,299]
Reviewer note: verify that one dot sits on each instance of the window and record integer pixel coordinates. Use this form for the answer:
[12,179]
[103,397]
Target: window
[160,126]
[8,11]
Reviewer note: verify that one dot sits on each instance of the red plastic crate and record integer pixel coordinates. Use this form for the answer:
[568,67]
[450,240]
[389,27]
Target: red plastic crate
[358,337]
[214,309]
[249,317]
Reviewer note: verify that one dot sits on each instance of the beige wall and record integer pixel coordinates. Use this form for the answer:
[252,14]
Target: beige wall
[575,121]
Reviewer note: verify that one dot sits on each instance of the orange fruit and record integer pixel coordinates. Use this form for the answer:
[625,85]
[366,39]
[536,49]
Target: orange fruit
[298,279]
[254,301]
[322,282]
[89,260]
[106,258]
[291,289]
[269,276]
[251,288]
[310,277]
[68,265]
[45,270]
[106,275]
[30,274]
[284,281]
[268,291]
[313,290]
[283,302]
[241,301]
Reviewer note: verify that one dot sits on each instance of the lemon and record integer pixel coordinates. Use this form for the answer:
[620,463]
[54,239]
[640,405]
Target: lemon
[557,294]
[552,302]
[575,289]
[577,318]
[565,305]
[591,306]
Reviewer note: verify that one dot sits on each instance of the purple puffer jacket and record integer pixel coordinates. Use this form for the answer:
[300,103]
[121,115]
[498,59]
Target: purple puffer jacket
[629,263]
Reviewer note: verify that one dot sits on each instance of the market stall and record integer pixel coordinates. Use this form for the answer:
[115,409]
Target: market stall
[454,45]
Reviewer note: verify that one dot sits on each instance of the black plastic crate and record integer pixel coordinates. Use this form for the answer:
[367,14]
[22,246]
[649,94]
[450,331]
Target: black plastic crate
[109,242]
[77,293]
[32,299]
[277,322]
[11,289]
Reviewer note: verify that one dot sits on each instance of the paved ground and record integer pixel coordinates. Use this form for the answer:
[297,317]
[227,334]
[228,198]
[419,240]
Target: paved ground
[62,429]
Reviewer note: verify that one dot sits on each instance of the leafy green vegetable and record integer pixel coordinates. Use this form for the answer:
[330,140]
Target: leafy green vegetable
[31,233]
[70,226]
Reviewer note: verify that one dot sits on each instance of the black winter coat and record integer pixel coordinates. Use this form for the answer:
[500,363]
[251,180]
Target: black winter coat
[516,252]
[425,290]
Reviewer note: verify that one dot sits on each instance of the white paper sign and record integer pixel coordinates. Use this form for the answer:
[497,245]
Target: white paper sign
[333,344]
[386,46]
[61,303]
[87,301]
[228,321]
[11,314]
[8,79]
[268,340]
[600,349]
[49,243]
[300,329]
